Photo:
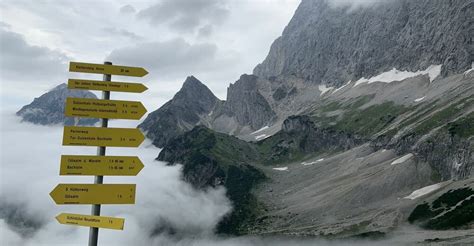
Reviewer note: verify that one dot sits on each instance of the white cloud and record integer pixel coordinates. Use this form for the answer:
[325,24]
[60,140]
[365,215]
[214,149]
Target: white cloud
[29,171]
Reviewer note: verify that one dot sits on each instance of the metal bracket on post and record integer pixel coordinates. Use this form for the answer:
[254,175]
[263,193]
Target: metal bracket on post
[94,231]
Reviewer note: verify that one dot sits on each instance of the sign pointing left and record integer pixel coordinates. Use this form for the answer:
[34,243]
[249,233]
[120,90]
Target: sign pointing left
[82,67]
[94,194]
[91,221]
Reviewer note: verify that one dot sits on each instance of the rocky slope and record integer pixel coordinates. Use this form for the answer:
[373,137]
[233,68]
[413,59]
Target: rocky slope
[48,109]
[329,43]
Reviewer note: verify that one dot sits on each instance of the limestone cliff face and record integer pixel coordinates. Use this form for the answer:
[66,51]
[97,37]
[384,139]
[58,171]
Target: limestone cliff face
[245,102]
[48,109]
[331,44]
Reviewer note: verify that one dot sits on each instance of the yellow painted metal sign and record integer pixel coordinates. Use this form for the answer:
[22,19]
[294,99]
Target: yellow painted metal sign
[100,165]
[91,221]
[106,85]
[97,108]
[106,69]
[101,136]
[94,194]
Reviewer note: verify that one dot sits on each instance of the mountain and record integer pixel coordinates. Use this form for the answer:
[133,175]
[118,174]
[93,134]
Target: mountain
[360,122]
[188,108]
[328,44]
[48,109]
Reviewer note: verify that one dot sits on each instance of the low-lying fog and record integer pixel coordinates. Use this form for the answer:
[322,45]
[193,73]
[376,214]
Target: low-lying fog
[168,211]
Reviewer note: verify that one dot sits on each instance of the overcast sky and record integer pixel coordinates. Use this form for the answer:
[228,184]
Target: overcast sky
[214,40]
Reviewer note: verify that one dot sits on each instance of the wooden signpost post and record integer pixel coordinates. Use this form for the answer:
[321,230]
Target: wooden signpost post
[100,165]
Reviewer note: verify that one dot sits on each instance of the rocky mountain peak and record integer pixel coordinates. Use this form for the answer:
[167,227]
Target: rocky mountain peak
[193,102]
[48,109]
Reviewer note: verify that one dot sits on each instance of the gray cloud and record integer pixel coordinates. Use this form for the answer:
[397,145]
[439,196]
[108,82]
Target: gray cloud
[183,15]
[127,9]
[122,33]
[172,59]
[23,62]
[205,31]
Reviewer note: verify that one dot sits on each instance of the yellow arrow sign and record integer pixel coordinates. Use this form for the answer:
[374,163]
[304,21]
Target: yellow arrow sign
[96,108]
[100,165]
[106,69]
[99,85]
[101,136]
[94,194]
[91,221]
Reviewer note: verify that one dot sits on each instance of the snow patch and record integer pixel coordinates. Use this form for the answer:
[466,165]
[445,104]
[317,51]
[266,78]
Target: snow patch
[348,82]
[402,159]
[259,137]
[432,71]
[384,150]
[419,99]
[281,168]
[259,130]
[423,191]
[210,113]
[311,163]
[457,165]
[324,89]
[470,70]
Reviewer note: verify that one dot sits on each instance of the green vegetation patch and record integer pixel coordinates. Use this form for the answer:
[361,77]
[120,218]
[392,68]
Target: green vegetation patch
[369,120]
[443,117]
[453,209]
[463,127]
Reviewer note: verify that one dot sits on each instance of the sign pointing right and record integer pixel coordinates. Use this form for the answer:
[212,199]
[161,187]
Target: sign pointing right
[99,85]
[82,67]
[97,108]
[101,136]
[100,165]
[91,221]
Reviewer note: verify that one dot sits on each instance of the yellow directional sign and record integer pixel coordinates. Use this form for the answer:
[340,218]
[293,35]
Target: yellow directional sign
[94,194]
[106,69]
[105,85]
[100,165]
[91,221]
[101,136]
[111,109]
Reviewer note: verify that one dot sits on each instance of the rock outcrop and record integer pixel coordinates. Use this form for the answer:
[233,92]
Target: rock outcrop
[247,105]
[48,109]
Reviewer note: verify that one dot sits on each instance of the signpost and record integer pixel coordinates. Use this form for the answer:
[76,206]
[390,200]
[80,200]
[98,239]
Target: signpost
[111,109]
[99,85]
[91,221]
[100,165]
[94,194]
[107,69]
[102,136]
